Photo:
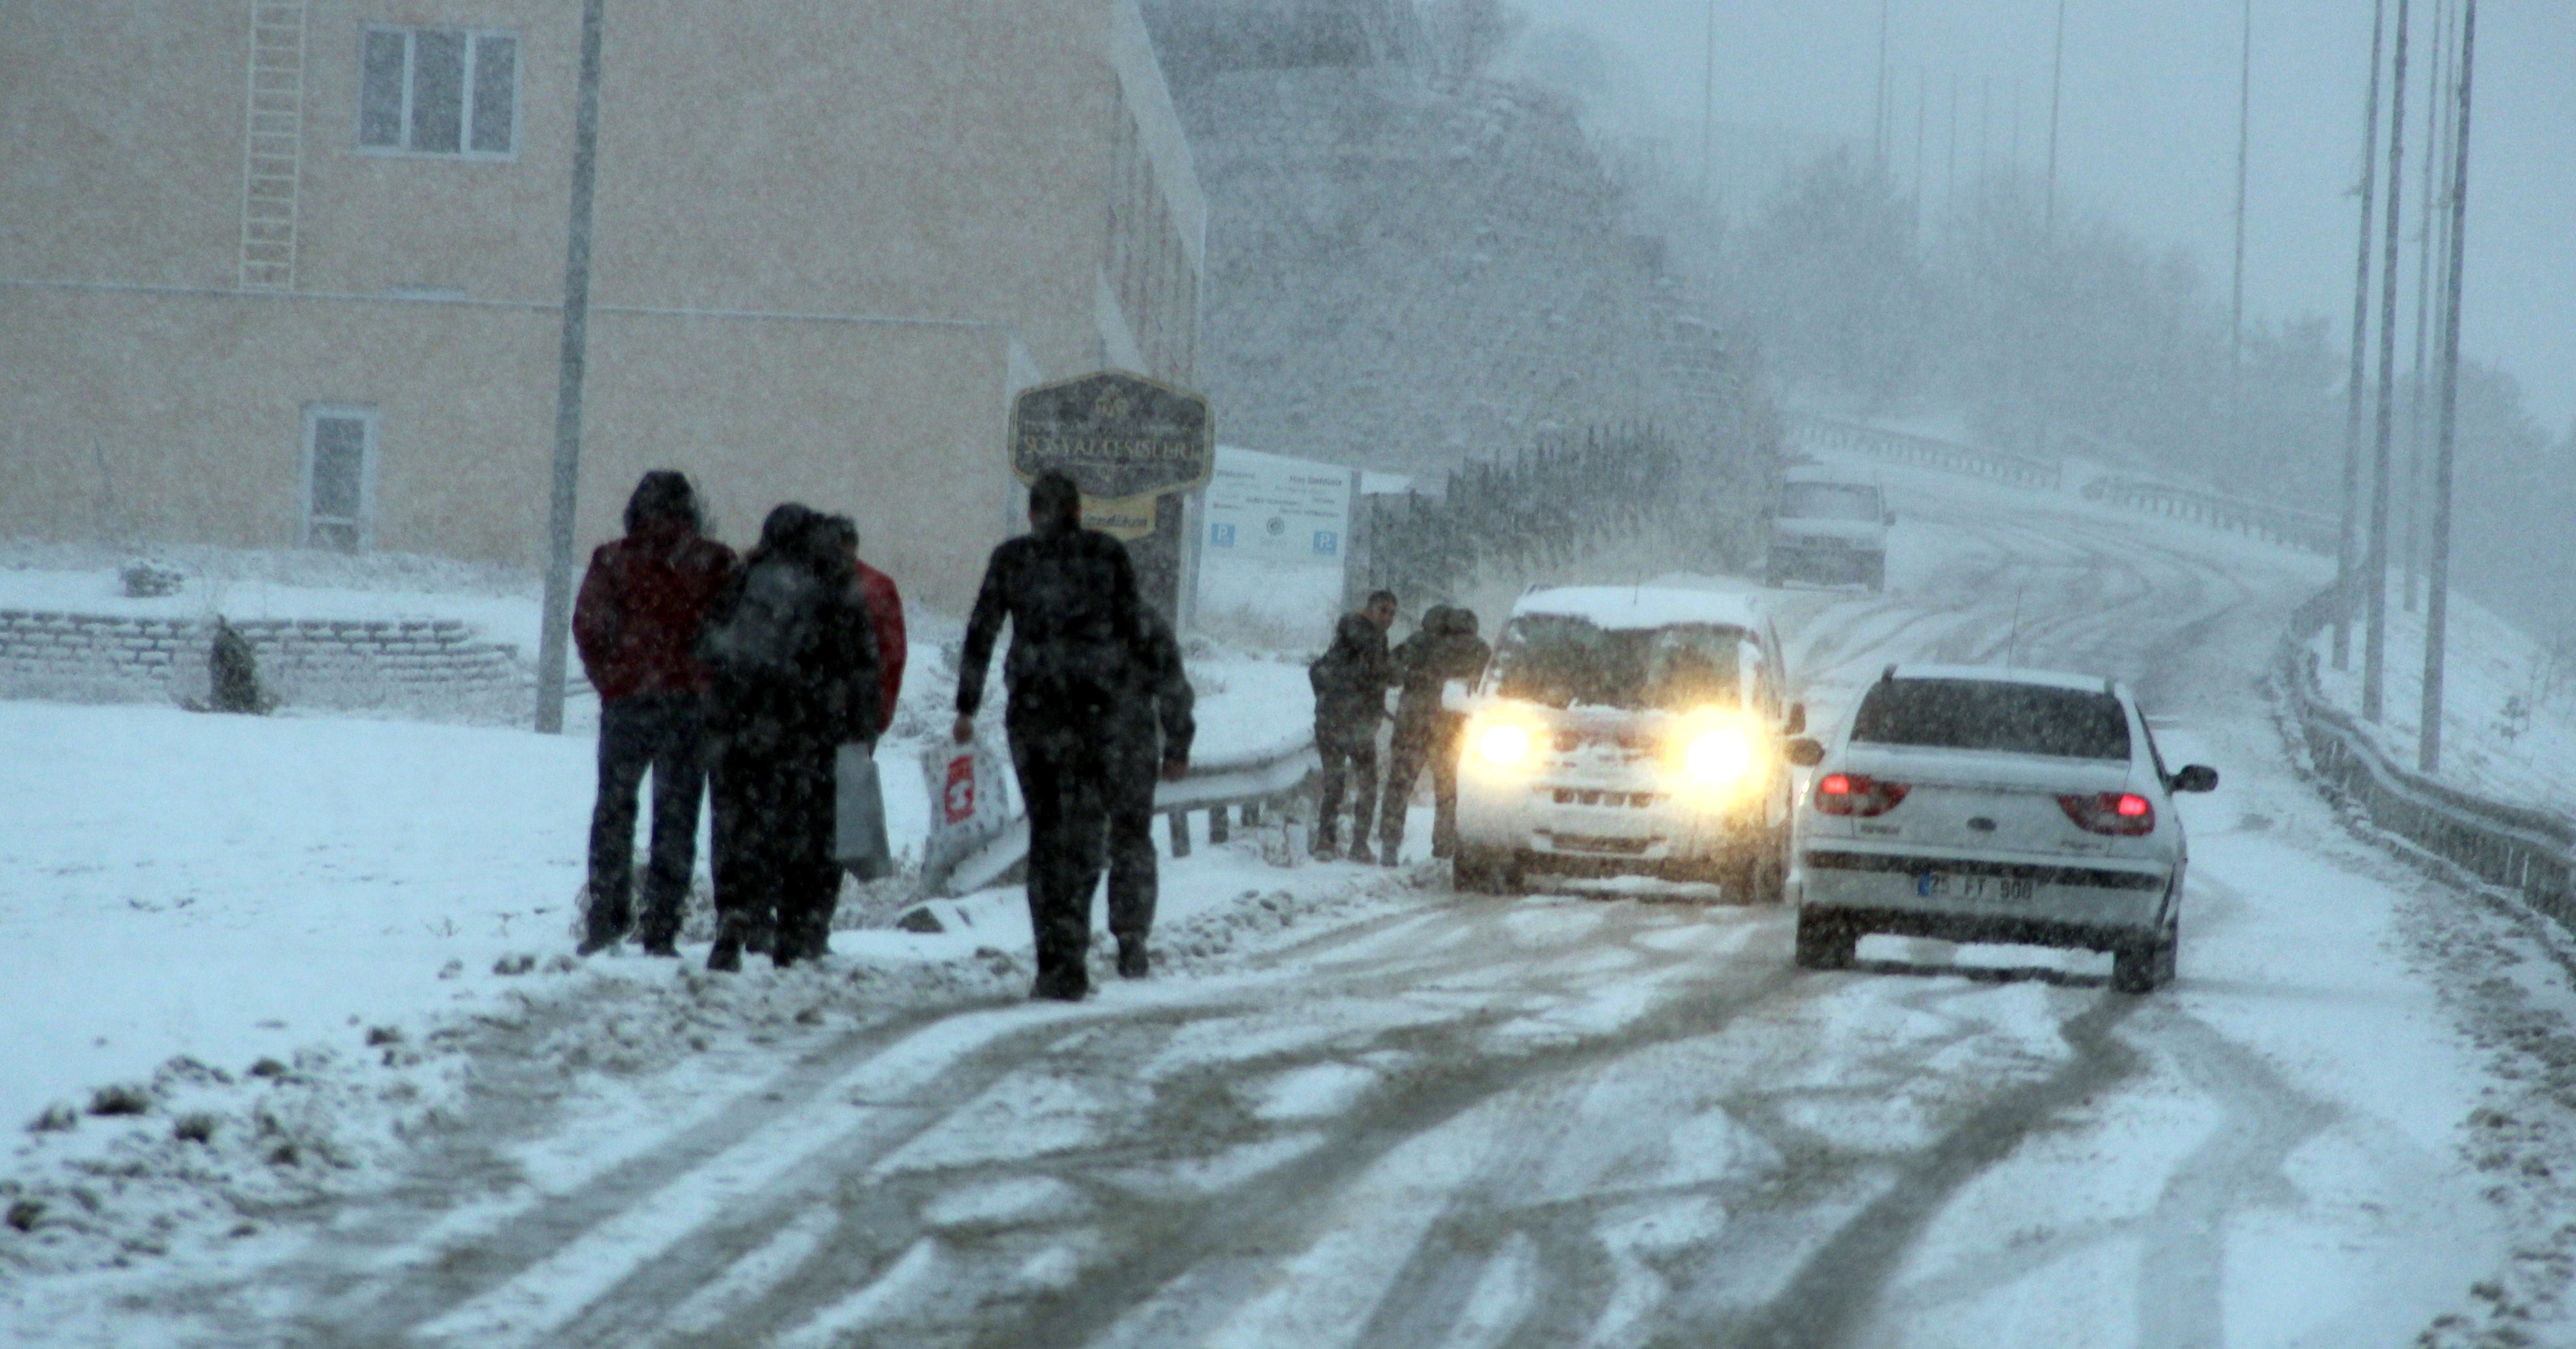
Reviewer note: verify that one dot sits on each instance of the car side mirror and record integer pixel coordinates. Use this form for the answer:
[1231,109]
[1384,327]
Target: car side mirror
[1797,722]
[1454,696]
[1806,753]
[2196,778]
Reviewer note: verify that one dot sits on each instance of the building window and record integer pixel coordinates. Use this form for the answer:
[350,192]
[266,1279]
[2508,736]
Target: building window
[339,478]
[439,91]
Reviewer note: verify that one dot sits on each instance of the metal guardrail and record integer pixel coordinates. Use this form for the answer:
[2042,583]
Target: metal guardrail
[1228,789]
[2525,850]
[2275,524]
[1827,433]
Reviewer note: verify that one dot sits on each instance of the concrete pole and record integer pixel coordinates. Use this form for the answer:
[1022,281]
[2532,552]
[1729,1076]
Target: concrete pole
[2236,303]
[555,637]
[2347,566]
[2424,240]
[1878,122]
[2056,91]
[2374,567]
[2437,598]
[1708,106]
[1950,172]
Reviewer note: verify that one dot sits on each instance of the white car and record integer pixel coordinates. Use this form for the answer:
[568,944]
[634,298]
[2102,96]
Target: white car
[1988,805]
[1629,730]
[1829,525]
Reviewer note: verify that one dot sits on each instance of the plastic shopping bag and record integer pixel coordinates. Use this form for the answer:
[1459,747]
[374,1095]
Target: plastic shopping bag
[858,819]
[970,802]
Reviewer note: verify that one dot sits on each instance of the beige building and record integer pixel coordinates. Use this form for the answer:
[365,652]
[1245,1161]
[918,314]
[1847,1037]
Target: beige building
[290,274]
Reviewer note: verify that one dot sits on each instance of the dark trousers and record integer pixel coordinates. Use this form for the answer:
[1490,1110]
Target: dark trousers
[1432,741]
[1133,880]
[1354,755]
[773,824]
[1064,772]
[667,735]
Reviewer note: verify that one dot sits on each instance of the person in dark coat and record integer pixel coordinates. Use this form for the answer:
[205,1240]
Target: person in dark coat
[792,662]
[1350,681]
[1444,648]
[635,624]
[1070,595]
[1154,728]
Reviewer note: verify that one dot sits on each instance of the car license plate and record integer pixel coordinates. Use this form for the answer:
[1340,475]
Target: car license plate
[1954,885]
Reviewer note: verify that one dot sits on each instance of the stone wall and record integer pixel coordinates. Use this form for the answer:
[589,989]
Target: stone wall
[430,666]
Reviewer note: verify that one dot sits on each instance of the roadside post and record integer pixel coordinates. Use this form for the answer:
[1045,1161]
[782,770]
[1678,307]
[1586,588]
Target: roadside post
[1137,448]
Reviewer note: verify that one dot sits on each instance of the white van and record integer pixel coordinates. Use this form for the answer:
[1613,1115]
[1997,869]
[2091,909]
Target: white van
[1629,730]
[1830,525]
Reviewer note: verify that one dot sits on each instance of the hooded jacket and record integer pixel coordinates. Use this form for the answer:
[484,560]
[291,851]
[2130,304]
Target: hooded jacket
[1445,647]
[636,619]
[823,685]
[1351,679]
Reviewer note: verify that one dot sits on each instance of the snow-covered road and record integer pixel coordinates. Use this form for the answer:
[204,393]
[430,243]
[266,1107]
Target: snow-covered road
[1587,1118]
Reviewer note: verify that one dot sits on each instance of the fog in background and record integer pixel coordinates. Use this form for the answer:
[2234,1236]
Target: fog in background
[2149,128]
[1935,292]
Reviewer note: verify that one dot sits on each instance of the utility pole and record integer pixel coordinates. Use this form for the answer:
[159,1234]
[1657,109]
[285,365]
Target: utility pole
[555,636]
[2236,304]
[2374,567]
[1878,124]
[1950,172]
[2347,566]
[1708,106]
[2016,134]
[1985,156]
[2424,236]
[2056,90]
[1922,95]
[2437,599]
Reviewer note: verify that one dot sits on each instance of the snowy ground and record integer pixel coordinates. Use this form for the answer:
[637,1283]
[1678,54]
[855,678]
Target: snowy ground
[1356,1109]
[2509,702]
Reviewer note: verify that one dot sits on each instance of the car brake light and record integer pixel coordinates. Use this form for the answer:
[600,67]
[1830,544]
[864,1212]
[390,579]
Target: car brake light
[1857,794]
[2122,813]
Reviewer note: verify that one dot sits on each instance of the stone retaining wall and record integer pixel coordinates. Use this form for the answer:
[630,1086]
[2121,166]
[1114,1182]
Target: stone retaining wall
[432,665]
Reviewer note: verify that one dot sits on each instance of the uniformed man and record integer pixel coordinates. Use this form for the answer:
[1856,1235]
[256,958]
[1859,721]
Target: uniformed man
[1350,681]
[1070,595]
[1444,648]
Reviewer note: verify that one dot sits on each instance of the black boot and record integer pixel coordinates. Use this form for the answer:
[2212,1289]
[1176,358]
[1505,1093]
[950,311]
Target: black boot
[1133,963]
[1069,984]
[727,955]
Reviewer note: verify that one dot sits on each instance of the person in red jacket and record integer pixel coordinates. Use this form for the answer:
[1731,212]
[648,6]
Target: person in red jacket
[635,623]
[885,614]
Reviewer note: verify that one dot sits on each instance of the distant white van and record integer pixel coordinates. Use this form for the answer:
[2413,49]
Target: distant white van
[1830,526]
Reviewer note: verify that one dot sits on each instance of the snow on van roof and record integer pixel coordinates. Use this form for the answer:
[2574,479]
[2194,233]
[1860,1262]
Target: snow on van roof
[1998,674]
[1645,606]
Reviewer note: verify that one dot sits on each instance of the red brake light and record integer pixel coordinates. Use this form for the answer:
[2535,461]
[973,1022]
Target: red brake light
[2122,813]
[1857,794]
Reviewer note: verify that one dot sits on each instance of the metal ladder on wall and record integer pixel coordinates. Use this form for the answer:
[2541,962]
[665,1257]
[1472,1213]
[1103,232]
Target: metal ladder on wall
[275,144]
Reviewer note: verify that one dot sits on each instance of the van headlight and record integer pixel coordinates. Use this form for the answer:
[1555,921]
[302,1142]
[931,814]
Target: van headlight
[1720,756]
[1503,744]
